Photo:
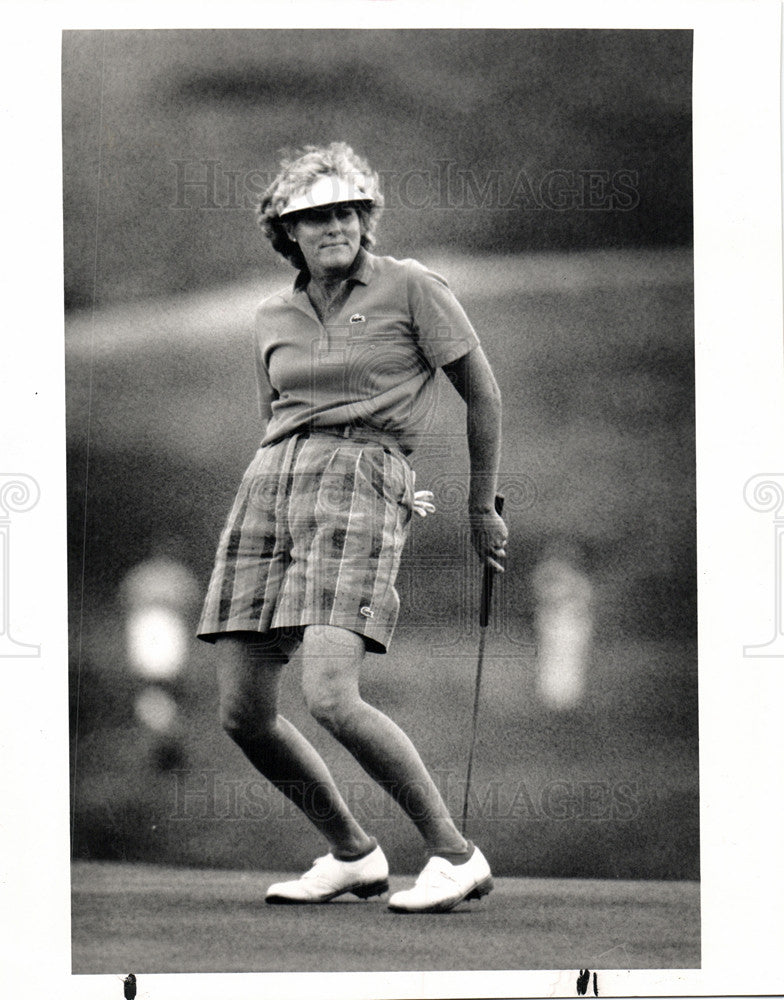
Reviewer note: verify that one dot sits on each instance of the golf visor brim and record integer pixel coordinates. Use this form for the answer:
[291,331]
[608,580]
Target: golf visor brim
[328,190]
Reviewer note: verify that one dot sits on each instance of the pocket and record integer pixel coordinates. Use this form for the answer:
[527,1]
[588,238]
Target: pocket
[404,480]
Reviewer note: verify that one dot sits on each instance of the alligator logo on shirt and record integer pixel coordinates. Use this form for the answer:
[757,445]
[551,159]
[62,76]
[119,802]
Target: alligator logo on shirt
[357,318]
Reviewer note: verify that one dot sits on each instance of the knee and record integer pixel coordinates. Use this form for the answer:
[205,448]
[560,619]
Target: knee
[322,705]
[328,707]
[234,723]
[242,727]
[330,665]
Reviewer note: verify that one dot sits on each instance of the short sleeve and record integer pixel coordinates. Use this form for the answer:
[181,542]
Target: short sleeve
[443,330]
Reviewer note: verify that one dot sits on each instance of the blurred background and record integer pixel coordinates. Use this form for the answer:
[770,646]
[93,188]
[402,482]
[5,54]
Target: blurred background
[547,175]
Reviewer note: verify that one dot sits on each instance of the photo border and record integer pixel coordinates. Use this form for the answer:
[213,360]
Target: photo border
[738,306]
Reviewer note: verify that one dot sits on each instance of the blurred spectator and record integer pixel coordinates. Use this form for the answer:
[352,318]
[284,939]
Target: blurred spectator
[564,622]
[158,594]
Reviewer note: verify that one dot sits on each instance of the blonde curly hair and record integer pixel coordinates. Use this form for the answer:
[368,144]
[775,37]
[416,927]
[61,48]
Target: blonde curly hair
[298,174]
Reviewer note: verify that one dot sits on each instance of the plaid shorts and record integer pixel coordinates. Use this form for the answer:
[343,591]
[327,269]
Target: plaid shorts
[314,537]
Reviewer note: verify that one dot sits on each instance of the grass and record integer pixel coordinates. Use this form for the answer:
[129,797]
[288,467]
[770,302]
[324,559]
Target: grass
[159,919]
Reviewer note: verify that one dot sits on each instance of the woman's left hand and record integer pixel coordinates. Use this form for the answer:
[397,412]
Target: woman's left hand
[489,534]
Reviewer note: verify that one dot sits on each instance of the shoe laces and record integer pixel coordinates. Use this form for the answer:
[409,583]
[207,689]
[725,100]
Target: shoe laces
[434,873]
[320,865]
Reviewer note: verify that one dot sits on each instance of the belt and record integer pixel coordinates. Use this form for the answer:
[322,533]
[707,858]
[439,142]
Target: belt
[364,435]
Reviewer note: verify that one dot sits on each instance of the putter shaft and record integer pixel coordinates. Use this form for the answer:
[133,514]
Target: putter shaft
[484,617]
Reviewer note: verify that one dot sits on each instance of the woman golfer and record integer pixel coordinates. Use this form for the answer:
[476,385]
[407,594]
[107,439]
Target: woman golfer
[345,362]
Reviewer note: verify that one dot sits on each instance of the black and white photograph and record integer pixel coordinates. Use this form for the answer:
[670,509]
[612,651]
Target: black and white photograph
[389,647]
[523,201]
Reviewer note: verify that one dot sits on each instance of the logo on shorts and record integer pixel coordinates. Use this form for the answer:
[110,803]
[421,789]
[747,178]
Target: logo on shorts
[357,318]
[367,612]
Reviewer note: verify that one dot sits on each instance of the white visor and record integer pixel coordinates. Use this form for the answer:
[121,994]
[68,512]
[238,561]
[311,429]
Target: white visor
[328,190]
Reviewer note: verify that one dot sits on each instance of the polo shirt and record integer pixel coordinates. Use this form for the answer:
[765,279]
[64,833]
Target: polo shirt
[373,360]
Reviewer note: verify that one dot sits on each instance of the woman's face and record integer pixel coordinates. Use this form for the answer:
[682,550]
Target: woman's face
[328,237]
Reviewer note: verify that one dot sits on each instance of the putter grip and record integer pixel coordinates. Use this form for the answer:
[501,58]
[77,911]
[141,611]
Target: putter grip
[488,574]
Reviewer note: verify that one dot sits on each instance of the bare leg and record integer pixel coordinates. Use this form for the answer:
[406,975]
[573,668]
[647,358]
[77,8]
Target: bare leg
[248,679]
[331,659]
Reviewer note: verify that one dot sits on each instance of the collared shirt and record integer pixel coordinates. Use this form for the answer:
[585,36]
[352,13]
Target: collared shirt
[373,359]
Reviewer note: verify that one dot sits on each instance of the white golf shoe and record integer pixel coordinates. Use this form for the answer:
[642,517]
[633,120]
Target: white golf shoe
[442,885]
[329,877]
